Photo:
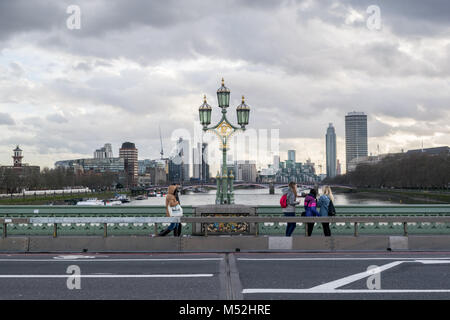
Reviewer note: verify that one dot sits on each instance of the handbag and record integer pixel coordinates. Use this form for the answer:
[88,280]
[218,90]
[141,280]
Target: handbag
[331,209]
[176,211]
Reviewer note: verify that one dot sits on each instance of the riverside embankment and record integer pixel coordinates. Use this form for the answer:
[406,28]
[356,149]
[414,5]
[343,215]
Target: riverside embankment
[400,196]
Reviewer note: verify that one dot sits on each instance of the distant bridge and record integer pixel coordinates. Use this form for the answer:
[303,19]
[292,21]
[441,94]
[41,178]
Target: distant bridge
[189,186]
[243,186]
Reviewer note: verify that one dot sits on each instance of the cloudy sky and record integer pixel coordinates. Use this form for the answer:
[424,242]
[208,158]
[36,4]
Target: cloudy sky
[137,65]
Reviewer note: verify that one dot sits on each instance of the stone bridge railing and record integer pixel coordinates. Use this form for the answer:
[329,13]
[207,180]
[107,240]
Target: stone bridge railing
[146,220]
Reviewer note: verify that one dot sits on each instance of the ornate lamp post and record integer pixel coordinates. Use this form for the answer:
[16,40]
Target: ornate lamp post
[224,130]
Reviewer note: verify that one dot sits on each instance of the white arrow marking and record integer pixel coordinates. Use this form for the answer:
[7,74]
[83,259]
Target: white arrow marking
[355,277]
[331,287]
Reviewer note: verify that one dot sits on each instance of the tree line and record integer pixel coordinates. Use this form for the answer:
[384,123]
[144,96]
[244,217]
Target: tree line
[415,170]
[14,181]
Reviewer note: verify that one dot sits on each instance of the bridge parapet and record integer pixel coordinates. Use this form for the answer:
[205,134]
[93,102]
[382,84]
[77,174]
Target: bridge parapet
[275,226]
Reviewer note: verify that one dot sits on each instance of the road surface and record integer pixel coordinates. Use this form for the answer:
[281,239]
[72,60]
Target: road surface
[236,276]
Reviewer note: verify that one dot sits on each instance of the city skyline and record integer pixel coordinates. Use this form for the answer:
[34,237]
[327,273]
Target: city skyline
[64,92]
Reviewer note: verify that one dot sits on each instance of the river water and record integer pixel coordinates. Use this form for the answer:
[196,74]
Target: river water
[259,197]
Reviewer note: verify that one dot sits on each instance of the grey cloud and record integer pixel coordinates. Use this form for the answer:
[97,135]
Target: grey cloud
[6,119]
[297,75]
[16,69]
[25,16]
[83,66]
[253,31]
[411,17]
[57,118]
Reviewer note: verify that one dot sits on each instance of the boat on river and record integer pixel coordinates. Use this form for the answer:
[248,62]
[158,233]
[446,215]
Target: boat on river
[91,202]
[122,198]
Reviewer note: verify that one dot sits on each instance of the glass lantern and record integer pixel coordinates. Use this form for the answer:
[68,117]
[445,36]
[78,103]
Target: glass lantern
[223,96]
[205,113]
[243,113]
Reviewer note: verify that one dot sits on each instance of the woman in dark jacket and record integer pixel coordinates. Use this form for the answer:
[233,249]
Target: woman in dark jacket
[311,209]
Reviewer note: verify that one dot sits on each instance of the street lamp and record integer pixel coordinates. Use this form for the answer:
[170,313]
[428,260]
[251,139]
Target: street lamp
[243,112]
[224,130]
[205,113]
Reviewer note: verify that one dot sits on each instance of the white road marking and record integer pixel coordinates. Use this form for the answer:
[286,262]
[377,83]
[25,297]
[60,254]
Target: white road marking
[355,277]
[336,259]
[73,256]
[433,261]
[331,287]
[109,260]
[341,291]
[37,276]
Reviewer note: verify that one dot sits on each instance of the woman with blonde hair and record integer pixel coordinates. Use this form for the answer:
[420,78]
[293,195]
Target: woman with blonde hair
[172,201]
[324,204]
[289,211]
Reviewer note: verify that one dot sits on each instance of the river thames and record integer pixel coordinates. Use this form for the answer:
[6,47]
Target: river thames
[262,197]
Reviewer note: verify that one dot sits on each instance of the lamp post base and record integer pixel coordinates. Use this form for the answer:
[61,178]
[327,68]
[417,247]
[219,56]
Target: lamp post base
[225,192]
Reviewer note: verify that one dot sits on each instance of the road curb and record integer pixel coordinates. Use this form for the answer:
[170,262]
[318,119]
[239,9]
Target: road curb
[223,244]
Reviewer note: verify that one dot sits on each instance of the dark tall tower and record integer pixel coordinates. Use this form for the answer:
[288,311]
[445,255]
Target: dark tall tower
[355,136]
[205,165]
[130,155]
[330,138]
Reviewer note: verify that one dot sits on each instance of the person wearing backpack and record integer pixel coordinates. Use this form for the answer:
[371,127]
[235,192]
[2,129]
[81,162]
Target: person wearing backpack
[326,208]
[311,209]
[288,203]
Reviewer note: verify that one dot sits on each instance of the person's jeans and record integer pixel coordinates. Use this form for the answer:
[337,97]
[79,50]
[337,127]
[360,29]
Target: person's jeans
[326,229]
[291,225]
[325,226]
[310,226]
[173,226]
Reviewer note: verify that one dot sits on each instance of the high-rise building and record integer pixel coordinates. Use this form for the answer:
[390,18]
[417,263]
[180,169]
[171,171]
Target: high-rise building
[355,136]
[129,153]
[179,162]
[245,170]
[197,162]
[276,163]
[183,151]
[175,170]
[200,166]
[205,165]
[291,155]
[330,140]
[104,153]
[338,168]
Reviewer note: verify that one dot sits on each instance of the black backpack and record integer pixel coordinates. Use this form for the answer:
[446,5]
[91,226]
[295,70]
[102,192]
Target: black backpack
[331,209]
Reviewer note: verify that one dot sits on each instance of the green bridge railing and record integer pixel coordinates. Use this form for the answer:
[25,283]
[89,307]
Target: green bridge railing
[264,228]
